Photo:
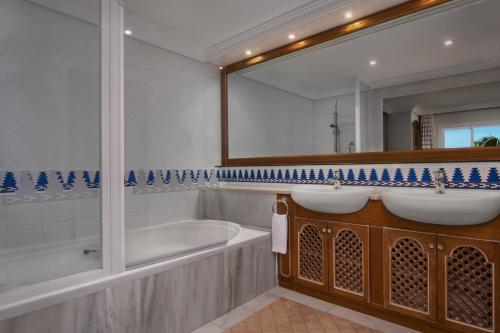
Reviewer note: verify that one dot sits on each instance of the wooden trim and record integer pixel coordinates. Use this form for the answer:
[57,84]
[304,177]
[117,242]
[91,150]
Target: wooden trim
[389,14]
[410,156]
[435,155]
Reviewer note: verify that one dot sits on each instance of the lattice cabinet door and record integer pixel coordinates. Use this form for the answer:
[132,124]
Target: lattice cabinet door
[311,253]
[349,260]
[468,284]
[410,273]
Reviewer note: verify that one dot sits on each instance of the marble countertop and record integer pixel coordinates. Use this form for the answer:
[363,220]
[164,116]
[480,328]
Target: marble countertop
[287,188]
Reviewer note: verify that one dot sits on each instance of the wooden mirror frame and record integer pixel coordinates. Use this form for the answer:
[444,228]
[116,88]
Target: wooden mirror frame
[409,156]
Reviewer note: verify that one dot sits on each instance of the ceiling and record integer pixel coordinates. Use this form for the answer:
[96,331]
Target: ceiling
[219,31]
[404,53]
[472,97]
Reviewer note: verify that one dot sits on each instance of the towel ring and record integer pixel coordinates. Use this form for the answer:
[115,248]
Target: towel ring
[275,205]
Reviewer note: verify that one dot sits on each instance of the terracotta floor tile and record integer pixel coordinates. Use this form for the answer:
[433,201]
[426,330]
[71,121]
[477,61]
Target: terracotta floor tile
[283,316]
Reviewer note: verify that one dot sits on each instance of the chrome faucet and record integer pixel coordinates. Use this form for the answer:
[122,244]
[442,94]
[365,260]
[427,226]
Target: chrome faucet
[439,181]
[335,180]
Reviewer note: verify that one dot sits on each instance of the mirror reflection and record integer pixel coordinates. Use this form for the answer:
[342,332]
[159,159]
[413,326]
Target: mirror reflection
[422,82]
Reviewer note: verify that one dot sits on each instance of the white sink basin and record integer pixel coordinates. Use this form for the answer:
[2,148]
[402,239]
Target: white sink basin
[455,207]
[326,199]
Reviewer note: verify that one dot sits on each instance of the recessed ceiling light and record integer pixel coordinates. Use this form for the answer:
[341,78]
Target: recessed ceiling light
[248,52]
[373,62]
[291,36]
[221,68]
[448,42]
[128,32]
[348,15]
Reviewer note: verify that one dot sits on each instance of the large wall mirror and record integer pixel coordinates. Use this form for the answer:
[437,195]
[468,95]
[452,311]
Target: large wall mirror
[424,82]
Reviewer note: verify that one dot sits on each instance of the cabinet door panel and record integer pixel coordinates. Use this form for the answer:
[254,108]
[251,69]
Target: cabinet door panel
[410,273]
[349,260]
[311,253]
[466,273]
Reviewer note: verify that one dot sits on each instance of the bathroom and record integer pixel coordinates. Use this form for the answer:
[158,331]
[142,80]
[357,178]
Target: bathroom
[234,166]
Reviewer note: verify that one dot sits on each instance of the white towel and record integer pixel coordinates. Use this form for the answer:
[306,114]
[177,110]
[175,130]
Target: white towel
[280,233]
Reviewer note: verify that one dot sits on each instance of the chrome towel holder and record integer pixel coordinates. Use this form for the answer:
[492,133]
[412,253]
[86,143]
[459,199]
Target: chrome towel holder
[275,205]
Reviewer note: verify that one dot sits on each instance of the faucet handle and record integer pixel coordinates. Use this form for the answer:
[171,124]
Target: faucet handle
[438,175]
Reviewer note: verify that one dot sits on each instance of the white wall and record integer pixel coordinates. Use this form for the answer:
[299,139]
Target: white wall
[49,117]
[50,120]
[49,89]
[266,121]
[172,109]
[172,121]
[399,131]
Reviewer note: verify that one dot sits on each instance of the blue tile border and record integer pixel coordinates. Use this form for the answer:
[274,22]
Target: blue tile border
[39,181]
[463,177]
[457,176]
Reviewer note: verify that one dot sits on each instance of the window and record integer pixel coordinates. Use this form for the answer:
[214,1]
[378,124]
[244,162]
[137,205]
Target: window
[470,136]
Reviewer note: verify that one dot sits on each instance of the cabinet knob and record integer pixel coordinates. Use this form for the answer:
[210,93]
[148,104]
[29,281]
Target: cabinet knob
[440,247]
[431,245]
[324,230]
[329,231]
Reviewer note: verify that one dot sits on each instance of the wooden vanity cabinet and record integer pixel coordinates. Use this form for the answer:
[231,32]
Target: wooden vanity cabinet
[331,256]
[349,260]
[410,273]
[467,277]
[431,278]
[310,253]
[441,278]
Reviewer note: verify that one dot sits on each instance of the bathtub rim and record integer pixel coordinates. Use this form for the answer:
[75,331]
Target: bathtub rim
[233,227]
[49,293]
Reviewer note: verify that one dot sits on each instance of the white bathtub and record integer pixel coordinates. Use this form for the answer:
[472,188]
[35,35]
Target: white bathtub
[151,244]
[27,266]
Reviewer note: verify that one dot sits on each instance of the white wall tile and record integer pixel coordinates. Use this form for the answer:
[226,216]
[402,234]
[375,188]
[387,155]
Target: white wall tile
[58,231]
[87,227]
[85,208]
[24,235]
[58,210]
[22,214]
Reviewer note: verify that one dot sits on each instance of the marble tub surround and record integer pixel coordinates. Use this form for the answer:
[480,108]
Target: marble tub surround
[244,207]
[349,320]
[219,278]
[178,300]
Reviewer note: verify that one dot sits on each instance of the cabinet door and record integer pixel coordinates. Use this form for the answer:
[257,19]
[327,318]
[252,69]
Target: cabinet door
[466,280]
[410,273]
[310,253]
[349,260]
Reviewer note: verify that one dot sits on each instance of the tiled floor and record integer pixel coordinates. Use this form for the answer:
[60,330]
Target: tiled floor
[314,315]
[283,316]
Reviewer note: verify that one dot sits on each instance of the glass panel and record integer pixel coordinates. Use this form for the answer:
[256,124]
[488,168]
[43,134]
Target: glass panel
[171,104]
[457,137]
[49,142]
